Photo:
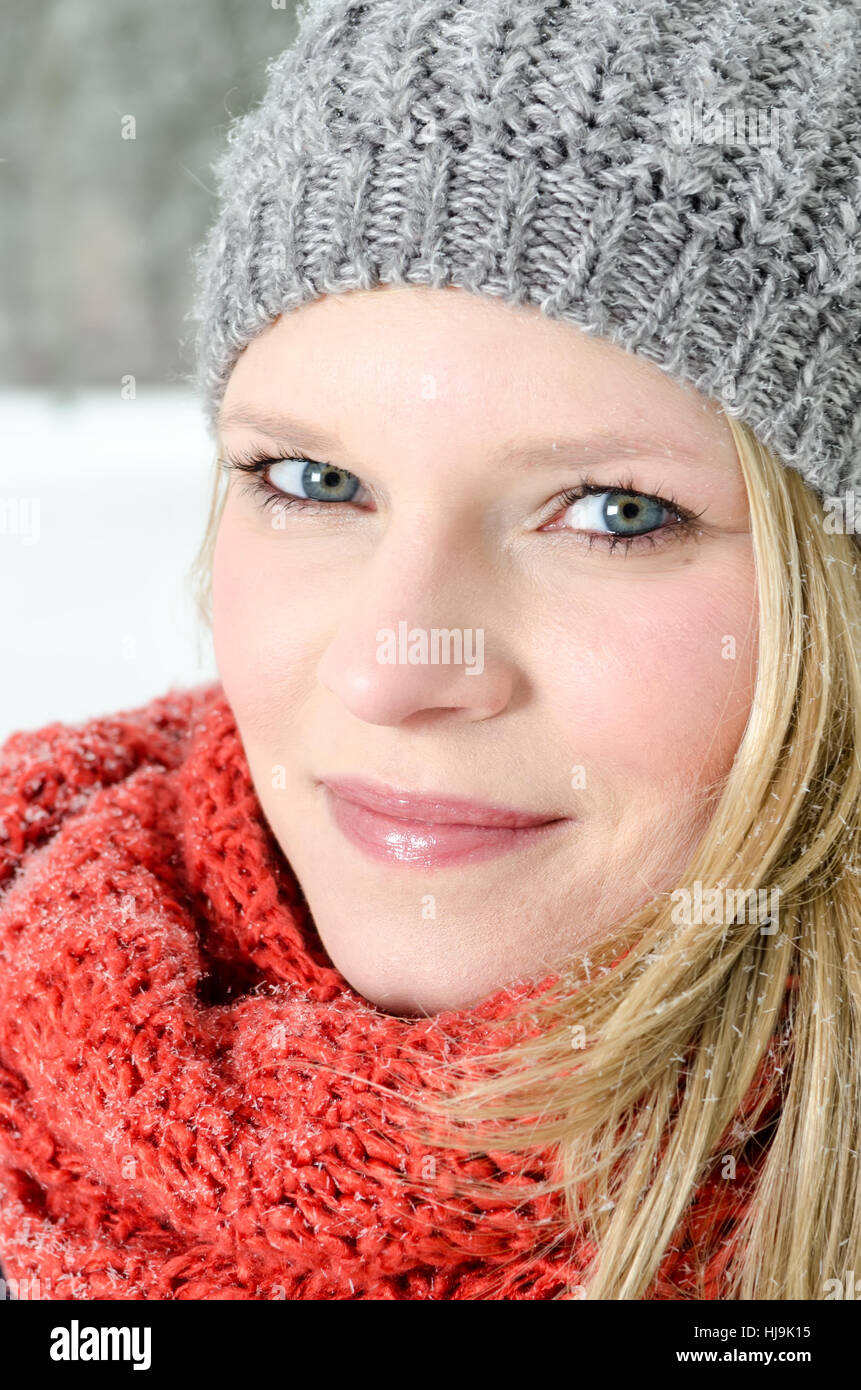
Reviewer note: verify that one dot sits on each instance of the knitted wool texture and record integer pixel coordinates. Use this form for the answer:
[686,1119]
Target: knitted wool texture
[178,1118]
[678,176]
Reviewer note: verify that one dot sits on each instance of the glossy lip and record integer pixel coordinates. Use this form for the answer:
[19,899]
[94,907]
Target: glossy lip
[426,830]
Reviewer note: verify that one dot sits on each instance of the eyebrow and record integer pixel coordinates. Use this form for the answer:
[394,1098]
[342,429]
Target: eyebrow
[594,447]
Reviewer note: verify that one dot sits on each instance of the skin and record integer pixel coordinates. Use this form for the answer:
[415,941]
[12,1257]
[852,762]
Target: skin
[617,681]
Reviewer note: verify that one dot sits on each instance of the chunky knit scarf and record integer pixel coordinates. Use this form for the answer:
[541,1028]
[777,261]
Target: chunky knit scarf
[194,1104]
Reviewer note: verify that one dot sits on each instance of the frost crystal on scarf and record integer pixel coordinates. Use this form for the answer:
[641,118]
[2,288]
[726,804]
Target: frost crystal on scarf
[194,1104]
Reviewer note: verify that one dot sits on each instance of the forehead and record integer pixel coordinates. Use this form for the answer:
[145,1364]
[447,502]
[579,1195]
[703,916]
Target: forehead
[404,358]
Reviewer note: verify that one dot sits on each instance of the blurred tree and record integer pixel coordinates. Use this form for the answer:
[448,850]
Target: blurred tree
[97,230]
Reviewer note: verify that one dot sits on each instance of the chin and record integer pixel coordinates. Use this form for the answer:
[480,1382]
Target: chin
[411,1000]
[414,992]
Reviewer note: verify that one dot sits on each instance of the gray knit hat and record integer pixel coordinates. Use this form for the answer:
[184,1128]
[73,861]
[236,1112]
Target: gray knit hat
[680,177]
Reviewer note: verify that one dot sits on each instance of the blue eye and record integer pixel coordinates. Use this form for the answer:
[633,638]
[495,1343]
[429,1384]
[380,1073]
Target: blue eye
[617,513]
[320,482]
[291,481]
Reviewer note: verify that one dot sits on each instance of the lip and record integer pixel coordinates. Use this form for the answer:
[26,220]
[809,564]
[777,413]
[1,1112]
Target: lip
[426,830]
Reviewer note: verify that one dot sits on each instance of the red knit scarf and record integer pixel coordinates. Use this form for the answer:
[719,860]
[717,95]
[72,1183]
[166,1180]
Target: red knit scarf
[194,1103]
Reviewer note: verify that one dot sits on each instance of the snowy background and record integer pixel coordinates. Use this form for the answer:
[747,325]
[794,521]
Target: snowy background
[110,118]
[102,508]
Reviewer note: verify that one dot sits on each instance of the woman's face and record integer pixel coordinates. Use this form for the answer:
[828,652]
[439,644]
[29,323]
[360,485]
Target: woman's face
[490,676]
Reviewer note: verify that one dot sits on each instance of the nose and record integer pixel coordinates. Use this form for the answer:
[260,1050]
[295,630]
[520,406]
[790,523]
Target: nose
[414,640]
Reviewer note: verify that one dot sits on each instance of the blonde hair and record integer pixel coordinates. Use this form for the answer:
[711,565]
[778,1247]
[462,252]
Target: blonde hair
[678,1030]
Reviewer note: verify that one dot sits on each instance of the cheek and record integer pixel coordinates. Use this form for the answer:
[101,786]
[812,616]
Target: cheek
[257,631]
[238,622]
[660,682]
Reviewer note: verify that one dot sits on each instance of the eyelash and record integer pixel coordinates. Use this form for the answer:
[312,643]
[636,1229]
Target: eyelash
[254,464]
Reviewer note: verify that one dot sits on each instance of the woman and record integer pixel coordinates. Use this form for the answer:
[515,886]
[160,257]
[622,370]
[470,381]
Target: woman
[490,928]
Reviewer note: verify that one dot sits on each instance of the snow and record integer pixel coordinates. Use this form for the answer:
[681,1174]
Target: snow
[103,503]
